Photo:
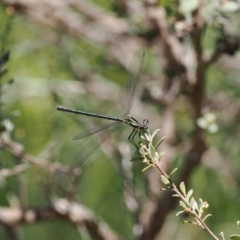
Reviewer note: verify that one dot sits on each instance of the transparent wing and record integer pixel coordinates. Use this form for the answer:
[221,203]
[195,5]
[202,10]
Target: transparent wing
[126,95]
[93,143]
[93,130]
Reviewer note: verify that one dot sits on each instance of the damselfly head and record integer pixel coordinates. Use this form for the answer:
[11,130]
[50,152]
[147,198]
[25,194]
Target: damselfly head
[144,124]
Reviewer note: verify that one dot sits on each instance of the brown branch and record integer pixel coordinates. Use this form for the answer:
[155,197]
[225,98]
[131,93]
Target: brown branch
[66,13]
[96,25]
[230,47]
[174,55]
[104,18]
[4,173]
[17,150]
[172,47]
[76,213]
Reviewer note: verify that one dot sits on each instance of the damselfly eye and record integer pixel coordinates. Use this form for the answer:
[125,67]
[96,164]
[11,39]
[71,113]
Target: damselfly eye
[145,121]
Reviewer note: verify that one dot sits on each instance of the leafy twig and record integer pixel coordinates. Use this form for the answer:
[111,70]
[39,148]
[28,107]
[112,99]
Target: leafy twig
[187,202]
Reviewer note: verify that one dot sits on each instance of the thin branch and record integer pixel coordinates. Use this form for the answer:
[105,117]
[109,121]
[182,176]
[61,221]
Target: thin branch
[74,212]
[174,54]
[93,24]
[175,189]
[4,173]
[152,158]
[17,150]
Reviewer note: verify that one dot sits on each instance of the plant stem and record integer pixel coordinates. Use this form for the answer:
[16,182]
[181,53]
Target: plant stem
[183,198]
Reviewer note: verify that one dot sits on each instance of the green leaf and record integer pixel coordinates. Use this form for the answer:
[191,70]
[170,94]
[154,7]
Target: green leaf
[222,235]
[238,223]
[175,195]
[189,194]
[173,171]
[182,204]
[159,143]
[146,136]
[186,221]
[153,152]
[235,236]
[146,168]
[178,213]
[141,152]
[161,155]
[193,204]
[183,188]
[155,132]
[165,181]
[209,215]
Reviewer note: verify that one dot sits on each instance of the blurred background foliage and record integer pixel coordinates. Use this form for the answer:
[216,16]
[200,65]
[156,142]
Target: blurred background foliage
[50,67]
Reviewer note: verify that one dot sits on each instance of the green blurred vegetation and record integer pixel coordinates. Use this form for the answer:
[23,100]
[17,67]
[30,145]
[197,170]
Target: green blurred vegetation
[41,61]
